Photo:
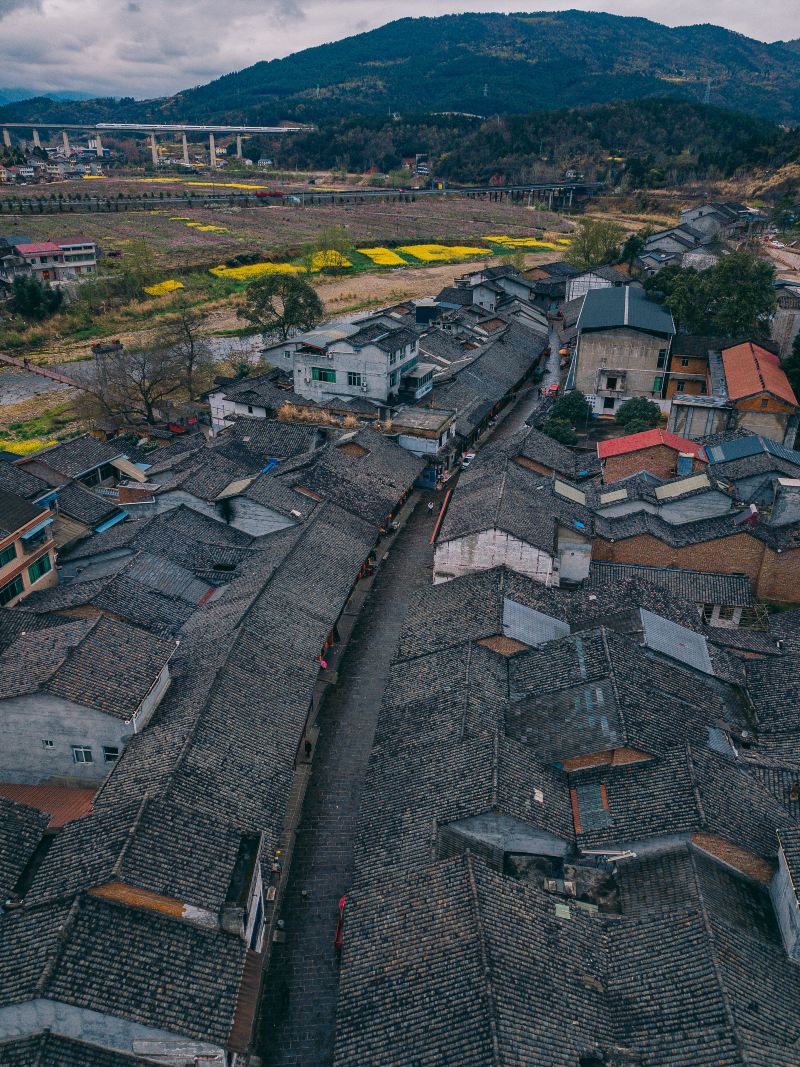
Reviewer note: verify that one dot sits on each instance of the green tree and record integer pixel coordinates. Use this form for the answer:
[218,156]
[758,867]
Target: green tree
[560,430]
[331,251]
[639,411]
[572,408]
[281,303]
[733,298]
[33,300]
[595,242]
[633,247]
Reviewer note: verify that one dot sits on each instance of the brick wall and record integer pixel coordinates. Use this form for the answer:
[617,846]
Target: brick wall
[659,460]
[775,575]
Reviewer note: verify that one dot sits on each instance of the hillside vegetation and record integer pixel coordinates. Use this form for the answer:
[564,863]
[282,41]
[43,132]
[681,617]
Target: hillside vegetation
[644,142]
[480,63]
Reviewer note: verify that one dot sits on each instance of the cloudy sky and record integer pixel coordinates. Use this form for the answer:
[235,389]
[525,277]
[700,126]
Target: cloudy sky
[148,48]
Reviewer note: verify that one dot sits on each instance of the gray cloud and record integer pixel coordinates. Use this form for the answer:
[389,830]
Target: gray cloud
[7,6]
[148,48]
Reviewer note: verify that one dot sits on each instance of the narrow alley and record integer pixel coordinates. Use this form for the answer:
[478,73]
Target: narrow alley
[299,1012]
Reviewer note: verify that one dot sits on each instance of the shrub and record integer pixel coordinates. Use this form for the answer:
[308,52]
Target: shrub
[639,410]
[560,430]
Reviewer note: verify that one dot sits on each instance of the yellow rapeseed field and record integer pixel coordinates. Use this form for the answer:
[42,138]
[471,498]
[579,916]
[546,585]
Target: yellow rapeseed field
[525,242]
[24,448]
[161,288]
[255,270]
[442,253]
[383,257]
[329,258]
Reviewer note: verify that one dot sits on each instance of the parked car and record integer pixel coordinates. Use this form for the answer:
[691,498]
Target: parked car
[467,460]
[552,389]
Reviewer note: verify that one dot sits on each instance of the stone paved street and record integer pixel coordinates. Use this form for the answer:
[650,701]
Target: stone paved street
[299,1012]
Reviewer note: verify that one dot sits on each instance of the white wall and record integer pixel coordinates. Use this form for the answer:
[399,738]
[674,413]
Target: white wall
[491,548]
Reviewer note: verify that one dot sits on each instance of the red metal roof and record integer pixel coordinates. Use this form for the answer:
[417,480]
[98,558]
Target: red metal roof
[751,369]
[61,803]
[649,439]
[37,247]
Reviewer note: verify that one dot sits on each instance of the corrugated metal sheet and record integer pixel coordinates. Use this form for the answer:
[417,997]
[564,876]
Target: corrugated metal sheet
[676,641]
[529,626]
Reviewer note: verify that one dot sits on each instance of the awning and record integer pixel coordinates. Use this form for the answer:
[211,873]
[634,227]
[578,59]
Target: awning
[37,529]
[129,469]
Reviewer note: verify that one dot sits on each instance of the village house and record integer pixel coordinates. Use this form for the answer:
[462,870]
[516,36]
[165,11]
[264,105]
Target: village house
[605,277]
[27,549]
[656,451]
[72,696]
[786,319]
[746,390]
[623,343]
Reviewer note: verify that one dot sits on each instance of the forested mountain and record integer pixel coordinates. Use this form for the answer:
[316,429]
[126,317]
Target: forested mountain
[480,63]
[647,141]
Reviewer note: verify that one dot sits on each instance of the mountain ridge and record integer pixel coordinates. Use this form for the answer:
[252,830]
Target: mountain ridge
[483,63]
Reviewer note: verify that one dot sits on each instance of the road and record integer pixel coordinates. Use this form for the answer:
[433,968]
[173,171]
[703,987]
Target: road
[299,1011]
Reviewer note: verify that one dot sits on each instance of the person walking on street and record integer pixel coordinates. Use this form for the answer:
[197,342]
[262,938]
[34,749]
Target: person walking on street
[430,507]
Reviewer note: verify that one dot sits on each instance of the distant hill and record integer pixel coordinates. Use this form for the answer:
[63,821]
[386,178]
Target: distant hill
[481,63]
[646,141]
[11,96]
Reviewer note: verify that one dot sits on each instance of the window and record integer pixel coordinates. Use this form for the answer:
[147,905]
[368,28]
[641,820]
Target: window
[611,383]
[392,358]
[40,567]
[608,403]
[765,402]
[82,754]
[321,374]
[680,386]
[393,378]
[47,744]
[287,353]
[662,357]
[7,555]
[727,611]
[11,590]
[684,362]
[657,384]
[110,753]
[353,378]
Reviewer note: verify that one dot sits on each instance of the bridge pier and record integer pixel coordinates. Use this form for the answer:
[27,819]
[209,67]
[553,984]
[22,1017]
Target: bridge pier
[212,150]
[98,145]
[185,149]
[153,149]
[65,142]
[36,142]
[6,138]
[238,146]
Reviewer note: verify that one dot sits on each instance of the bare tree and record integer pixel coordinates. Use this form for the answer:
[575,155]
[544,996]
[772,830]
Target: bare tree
[133,382]
[193,350]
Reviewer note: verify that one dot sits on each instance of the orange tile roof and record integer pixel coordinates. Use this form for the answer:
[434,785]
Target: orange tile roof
[618,446]
[751,369]
[61,803]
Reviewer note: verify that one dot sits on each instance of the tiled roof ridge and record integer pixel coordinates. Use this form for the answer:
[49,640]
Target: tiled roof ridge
[91,624]
[132,831]
[698,799]
[62,936]
[463,730]
[712,952]
[612,675]
[220,674]
[484,962]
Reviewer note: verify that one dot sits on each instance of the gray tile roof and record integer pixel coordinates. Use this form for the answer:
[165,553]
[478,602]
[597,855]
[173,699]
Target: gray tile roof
[47,1049]
[21,830]
[172,974]
[701,587]
[98,663]
[149,844]
[13,479]
[78,456]
[605,309]
[16,512]
[85,506]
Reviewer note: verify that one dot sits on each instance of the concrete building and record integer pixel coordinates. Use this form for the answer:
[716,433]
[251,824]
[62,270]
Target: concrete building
[361,359]
[27,550]
[622,351]
[786,320]
[73,695]
[80,256]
